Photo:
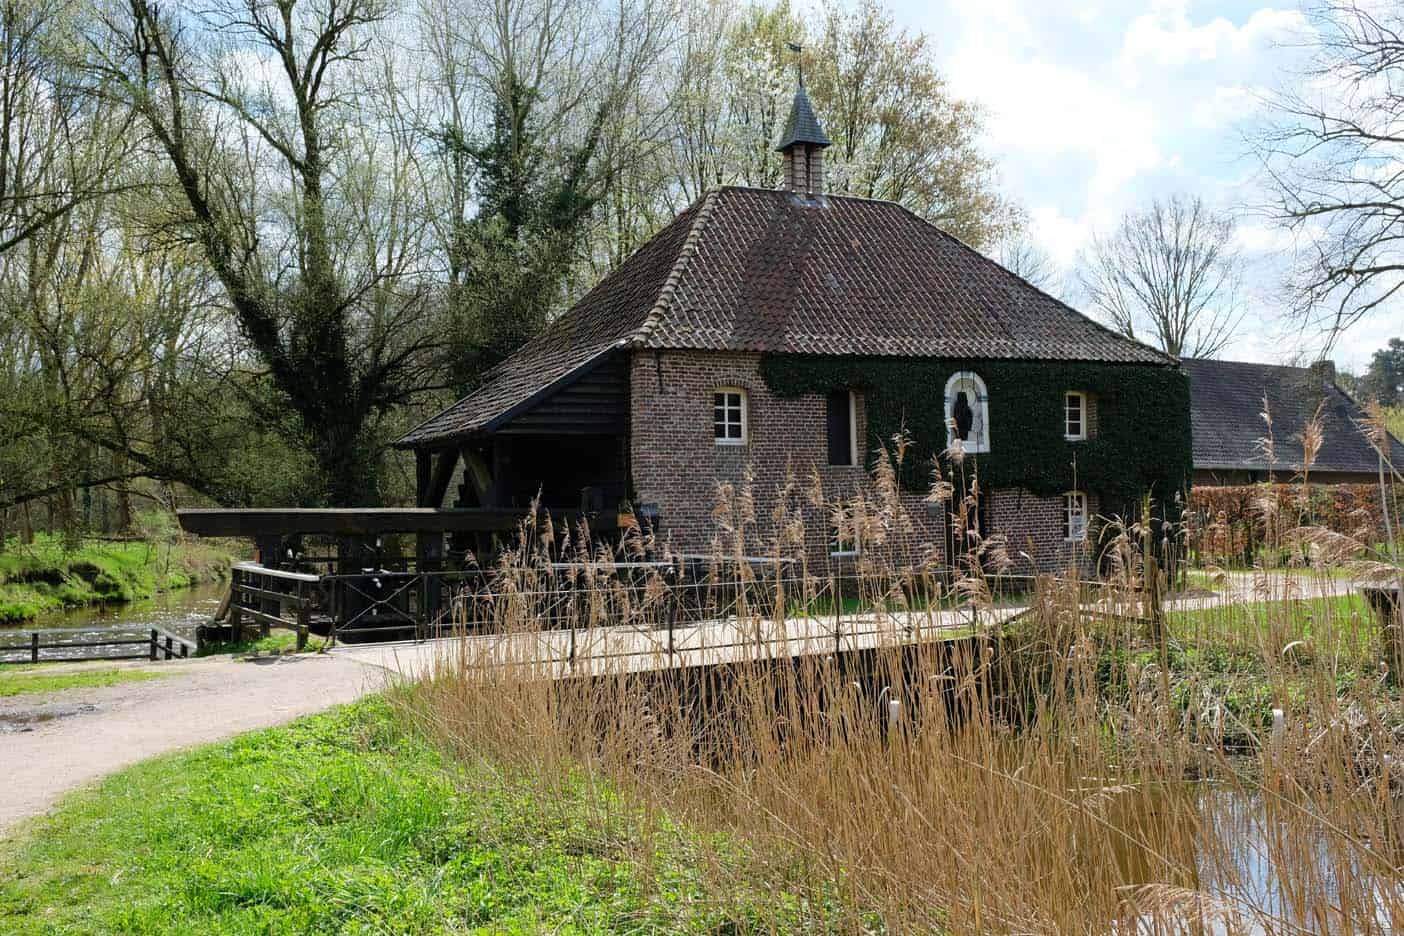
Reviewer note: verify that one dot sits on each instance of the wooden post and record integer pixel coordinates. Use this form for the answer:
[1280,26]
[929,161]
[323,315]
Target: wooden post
[34,647]
[1153,607]
[236,617]
[430,560]
[1388,604]
[169,654]
[303,625]
[155,635]
[423,465]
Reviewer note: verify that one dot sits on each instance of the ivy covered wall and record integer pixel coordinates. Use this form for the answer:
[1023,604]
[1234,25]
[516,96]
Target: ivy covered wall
[1141,444]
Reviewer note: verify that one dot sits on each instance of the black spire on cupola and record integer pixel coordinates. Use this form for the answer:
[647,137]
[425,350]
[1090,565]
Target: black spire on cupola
[803,142]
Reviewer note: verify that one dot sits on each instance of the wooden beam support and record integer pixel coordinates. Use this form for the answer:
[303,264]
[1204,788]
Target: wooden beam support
[423,463]
[479,474]
[365,521]
[438,484]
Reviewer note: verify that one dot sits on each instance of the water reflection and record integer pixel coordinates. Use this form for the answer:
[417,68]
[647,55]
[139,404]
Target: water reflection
[178,612]
[1213,859]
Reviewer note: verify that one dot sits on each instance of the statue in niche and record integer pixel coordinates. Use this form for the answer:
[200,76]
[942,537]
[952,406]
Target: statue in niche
[964,416]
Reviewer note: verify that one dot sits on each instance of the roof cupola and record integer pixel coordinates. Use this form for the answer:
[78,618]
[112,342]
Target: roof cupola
[803,142]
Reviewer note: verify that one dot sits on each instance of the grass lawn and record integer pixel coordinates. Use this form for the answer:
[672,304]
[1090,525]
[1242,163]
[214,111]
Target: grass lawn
[35,681]
[1217,656]
[43,576]
[1350,612]
[346,823]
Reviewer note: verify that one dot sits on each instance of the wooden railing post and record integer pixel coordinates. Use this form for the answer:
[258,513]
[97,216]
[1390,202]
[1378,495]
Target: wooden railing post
[155,634]
[34,647]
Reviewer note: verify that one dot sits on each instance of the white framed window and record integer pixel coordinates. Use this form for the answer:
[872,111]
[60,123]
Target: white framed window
[843,547]
[1075,516]
[843,533]
[1075,416]
[967,412]
[729,420]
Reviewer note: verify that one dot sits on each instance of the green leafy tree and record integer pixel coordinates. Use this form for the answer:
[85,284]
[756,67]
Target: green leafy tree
[518,251]
[1384,380]
[272,173]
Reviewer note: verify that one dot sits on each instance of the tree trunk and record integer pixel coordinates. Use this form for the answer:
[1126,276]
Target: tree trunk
[68,522]
[124,510]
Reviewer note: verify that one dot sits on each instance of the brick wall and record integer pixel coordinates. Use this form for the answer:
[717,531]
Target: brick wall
[1034,526]
[677,466]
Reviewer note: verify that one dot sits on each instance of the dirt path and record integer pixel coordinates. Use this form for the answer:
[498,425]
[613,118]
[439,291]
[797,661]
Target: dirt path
[67,739]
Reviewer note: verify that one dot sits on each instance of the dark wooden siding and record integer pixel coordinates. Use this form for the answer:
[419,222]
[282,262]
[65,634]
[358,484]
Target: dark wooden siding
[595,404]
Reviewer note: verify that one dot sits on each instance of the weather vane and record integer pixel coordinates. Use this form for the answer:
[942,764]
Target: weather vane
[798,49]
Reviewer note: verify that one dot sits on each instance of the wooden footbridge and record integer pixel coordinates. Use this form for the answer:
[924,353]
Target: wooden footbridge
[361,573]
[363,586]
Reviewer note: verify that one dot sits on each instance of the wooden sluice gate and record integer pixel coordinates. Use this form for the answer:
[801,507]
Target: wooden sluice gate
[382,574]
[344,572]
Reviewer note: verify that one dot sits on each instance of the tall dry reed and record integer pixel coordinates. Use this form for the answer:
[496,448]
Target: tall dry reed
[933,758]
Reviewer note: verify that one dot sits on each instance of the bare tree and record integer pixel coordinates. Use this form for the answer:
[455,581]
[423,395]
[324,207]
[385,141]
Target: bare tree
[1020,254]
[1169,275]
[58,146]
[1332,156]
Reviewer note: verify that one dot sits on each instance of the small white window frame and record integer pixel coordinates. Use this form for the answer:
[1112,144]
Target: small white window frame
[745,419]
[1081,434]
[853,429]
[1075,507]
[981,404]
[836,547]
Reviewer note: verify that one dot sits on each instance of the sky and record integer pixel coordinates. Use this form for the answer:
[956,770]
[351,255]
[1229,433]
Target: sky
[1093,108]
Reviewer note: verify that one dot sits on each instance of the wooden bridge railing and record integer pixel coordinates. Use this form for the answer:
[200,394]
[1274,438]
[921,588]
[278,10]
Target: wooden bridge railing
[158,644]
[272,598]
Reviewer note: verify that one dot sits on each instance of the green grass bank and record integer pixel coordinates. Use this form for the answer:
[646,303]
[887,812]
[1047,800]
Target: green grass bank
[41,682]
[43,576]
[347,822]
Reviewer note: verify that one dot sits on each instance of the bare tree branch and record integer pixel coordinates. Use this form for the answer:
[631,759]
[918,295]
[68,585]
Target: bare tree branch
[1168,275]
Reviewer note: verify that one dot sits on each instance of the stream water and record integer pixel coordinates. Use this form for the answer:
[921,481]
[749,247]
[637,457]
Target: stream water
[178,612]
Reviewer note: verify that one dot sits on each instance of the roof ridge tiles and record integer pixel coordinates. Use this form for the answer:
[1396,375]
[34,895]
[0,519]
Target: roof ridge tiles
[675,275]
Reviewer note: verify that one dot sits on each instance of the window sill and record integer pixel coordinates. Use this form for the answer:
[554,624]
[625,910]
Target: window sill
[730,443]
[1068,438]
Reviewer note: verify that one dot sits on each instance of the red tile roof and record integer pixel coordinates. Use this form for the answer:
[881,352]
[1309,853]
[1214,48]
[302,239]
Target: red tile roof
[762,270]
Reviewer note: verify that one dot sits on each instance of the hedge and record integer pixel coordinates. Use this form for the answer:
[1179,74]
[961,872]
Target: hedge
[1142,443]
[1230,524]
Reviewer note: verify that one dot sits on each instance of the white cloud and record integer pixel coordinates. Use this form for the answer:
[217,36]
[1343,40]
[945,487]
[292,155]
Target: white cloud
[1062,236]
[1226,105]
[1260,237]
[1168,37]
[1094,108]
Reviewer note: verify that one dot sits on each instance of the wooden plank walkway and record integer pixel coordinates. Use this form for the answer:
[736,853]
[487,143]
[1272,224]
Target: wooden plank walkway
[620,649]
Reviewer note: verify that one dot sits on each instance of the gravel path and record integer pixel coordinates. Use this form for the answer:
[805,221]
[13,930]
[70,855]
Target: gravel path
[50,744]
